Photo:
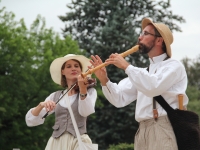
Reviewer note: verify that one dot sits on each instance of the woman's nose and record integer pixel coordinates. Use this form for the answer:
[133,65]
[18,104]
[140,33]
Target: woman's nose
[73,68]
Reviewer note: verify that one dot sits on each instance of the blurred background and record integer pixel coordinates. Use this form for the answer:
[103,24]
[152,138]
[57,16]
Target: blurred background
[34,33]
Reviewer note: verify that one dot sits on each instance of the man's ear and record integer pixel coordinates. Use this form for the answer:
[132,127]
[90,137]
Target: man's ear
[160,40]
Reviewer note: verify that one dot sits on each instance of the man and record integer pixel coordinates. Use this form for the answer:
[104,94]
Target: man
[165,76]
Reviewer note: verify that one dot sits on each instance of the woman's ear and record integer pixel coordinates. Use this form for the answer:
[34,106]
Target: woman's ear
[62,72]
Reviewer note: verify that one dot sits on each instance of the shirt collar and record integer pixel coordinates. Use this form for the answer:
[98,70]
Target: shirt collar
[157,58]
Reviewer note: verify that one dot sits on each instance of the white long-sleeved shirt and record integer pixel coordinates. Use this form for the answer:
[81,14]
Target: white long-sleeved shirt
[86,107]
[167,78]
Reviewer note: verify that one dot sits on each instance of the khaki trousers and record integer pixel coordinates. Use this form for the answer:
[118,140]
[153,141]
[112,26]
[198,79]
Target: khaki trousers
[155,135]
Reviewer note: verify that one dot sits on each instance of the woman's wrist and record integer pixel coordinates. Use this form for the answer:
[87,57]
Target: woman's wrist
[41,104]
[35,111]
[83,90]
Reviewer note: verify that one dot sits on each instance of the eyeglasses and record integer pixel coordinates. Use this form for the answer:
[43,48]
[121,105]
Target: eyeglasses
[147,33]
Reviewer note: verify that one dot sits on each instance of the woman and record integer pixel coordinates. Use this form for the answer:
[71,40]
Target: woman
[66,71]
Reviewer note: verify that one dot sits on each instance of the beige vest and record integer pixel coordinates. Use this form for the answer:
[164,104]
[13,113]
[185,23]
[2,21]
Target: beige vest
[63,122]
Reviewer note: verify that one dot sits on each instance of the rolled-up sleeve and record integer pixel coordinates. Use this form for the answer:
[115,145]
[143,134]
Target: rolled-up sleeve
[32,120]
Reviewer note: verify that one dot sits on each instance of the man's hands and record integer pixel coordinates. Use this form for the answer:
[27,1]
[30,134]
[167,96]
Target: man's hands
[117,60]
[101,73]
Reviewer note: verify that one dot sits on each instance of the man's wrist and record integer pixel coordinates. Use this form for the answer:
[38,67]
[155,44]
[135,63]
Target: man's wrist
[125,66]
[103,82]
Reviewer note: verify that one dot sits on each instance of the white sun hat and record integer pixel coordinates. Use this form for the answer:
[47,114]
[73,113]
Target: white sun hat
[55,67]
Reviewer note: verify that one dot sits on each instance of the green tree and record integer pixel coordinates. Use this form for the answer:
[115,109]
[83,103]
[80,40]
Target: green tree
[25,79]
[121,146]
[103,27]
[193,71]
[192,67]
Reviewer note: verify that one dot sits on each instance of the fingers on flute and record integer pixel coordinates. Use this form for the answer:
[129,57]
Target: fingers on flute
[98,58]
[93,59]
[89,67]
[112,56]
[93,64]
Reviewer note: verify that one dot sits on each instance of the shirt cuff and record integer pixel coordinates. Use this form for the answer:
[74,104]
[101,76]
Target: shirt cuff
[127,70]
[132,70]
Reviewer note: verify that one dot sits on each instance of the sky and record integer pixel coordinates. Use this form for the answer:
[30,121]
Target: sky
[185,43]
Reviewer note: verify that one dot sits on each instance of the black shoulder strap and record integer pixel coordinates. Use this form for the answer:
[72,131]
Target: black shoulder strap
[163,103]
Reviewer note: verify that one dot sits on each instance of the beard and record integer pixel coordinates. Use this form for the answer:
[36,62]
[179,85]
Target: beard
[144,49]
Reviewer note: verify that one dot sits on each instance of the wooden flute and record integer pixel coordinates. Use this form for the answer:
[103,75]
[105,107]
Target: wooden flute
[124,54]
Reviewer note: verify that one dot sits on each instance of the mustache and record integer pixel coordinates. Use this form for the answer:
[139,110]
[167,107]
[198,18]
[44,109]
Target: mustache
[140,45]
[143,49]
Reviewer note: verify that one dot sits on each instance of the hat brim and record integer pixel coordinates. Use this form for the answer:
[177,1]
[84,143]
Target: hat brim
[159,27]
[55,67]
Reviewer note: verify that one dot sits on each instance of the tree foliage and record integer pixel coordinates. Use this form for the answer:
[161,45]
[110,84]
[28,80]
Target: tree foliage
[193,71]
[103,27]
[121,146]
[192,67]
[25,80]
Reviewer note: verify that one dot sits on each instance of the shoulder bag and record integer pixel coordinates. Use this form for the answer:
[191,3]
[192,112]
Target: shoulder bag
[185,125]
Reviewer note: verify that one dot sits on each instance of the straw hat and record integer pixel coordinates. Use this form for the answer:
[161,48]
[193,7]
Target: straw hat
[164,31]
[55,67]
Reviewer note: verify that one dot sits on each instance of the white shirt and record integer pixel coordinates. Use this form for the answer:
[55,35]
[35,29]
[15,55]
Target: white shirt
[85,107]
[167,78]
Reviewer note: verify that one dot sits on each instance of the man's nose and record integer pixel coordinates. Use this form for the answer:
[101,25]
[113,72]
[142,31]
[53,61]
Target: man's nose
[140,37]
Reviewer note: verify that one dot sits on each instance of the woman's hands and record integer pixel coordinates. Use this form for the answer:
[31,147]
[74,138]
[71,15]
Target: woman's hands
[82,84]
[48,105]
